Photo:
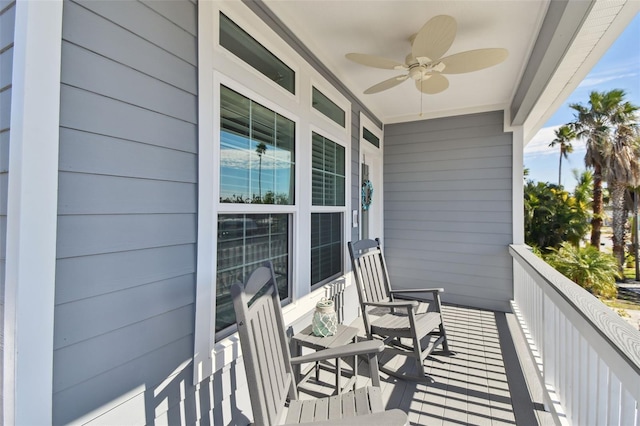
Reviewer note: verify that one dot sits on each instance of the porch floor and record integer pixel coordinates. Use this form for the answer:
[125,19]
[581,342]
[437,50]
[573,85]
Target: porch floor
[482,384]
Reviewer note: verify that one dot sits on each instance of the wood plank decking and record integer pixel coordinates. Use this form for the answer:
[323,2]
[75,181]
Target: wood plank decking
[482,384]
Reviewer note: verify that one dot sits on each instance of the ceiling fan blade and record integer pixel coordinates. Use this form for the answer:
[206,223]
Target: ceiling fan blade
[387,84]
[375,61]
[473,60]
[436,83]
[434,38]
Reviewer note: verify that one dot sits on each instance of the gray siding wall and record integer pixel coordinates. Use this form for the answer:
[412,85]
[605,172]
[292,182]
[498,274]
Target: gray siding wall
[125,279]
[7,20]
[448,207]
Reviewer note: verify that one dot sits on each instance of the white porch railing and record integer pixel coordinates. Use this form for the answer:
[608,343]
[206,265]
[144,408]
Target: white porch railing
[588,358]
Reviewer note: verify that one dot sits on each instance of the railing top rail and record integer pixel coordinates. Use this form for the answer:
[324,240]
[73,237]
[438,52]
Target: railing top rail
[619,333]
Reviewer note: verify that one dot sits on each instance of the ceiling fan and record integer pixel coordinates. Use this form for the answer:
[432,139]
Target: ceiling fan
[425,64]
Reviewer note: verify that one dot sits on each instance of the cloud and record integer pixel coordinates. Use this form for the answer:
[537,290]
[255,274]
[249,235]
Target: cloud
[601,78]
[539,144]
[626,69]
[244,159]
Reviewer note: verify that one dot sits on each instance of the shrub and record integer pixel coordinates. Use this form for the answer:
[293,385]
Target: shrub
[552,215]
[586,266]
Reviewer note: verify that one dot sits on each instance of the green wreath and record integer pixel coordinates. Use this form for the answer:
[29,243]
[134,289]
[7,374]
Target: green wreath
[367,194]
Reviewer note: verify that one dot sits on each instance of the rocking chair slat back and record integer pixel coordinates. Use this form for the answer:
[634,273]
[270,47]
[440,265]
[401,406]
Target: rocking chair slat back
[264,344]
[370,271]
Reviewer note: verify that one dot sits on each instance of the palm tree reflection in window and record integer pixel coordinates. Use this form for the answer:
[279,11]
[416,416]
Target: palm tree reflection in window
[260,149]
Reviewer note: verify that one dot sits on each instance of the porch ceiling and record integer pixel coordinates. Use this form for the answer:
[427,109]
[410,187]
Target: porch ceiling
[333,28]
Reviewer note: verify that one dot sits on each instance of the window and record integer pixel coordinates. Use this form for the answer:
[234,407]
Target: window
[326,246]
[328,172]
[245,47]
[244,242]
[328,107]
[328,190]
[257,152]
[370,137]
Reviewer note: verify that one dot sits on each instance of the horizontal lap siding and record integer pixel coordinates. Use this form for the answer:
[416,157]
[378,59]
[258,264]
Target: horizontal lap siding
[7,20]
[127,203]
[448,207]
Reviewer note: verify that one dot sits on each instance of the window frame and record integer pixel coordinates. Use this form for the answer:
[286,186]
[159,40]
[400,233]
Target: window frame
[314,87]
[266,49]
[221,80]
[345,231]
[217,65]
[264,35]
[254,97]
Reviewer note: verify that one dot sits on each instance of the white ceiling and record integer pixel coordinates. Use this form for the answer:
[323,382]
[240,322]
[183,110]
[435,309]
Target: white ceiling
[333,28]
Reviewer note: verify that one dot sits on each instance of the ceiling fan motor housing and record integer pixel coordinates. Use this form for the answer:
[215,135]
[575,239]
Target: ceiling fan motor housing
[422,72]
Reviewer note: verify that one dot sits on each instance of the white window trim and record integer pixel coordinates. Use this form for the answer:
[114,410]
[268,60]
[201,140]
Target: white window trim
[216,65]
[32,207]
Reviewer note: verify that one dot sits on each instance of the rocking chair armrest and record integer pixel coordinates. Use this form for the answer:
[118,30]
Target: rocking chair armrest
[360,348]
[419,290]
[403,304]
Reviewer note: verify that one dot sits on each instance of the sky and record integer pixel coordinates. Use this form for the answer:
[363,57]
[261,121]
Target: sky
[619,68]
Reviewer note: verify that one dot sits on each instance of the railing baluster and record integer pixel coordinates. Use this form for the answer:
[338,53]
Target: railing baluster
[592,386]
[575,376]
[613,417]
[602,405]
[627,408]
[564,338]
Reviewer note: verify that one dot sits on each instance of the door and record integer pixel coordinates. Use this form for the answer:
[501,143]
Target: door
[371,193]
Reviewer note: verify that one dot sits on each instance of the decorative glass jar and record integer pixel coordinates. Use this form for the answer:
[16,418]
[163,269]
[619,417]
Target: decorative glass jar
[325,320]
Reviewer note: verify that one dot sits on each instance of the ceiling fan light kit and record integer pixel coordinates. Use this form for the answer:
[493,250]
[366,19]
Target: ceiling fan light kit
[425,64]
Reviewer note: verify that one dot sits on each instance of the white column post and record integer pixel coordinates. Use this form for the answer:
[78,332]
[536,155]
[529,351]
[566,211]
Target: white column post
[32,199]
[517,191]
[203,358]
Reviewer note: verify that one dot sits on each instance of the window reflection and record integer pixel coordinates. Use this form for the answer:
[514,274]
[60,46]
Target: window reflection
[245,241]
[257,152]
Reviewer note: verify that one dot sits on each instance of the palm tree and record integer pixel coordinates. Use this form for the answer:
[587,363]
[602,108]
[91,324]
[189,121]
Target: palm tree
[261,148]
[636,195]
[564,136]
[597,124]
[621,171]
